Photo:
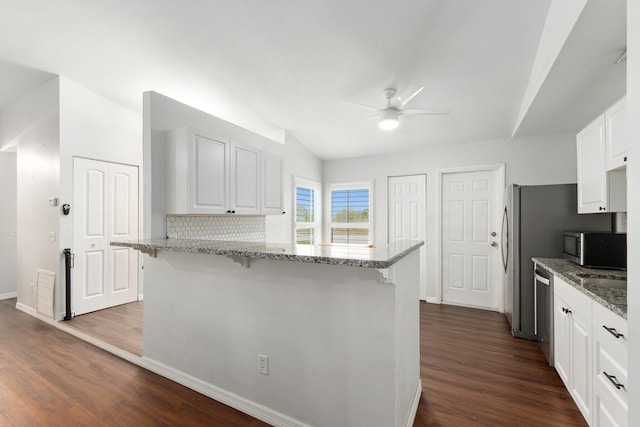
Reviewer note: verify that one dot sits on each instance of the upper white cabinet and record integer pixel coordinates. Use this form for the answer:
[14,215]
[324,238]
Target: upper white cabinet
[272,184]
[600,190]
[616,141]
[245,180]
[213,175]
[208,175]
[592,175]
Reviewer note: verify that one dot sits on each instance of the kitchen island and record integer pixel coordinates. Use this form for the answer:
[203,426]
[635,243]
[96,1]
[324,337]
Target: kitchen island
[291,334]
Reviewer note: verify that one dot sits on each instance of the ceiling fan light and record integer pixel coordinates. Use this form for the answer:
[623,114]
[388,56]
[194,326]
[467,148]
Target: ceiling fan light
[388,119]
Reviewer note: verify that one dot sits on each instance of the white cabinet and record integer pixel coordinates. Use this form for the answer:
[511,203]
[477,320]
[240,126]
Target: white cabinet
[573,343]
[245,180]
[616,140]
[600,190]
[207,174]
[590,344]
[208,180]
[272,184]
[609,367]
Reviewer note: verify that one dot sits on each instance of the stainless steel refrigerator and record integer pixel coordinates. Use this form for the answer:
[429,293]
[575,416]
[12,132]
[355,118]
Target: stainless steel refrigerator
[533,221]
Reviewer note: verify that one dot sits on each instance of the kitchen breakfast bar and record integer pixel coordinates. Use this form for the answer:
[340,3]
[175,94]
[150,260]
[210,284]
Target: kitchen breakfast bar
[290,334]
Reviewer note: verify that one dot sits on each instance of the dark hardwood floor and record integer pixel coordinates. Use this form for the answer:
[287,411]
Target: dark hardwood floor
[473,373]
[50,378]
[120,326]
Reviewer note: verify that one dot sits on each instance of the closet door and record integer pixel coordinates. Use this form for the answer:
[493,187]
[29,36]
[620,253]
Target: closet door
[105,208]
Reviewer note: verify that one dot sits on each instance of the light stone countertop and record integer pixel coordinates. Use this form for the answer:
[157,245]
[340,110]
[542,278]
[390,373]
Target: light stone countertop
[614,299]
[355,256]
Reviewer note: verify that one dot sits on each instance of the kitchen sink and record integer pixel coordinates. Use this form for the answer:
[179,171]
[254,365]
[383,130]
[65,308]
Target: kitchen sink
[605,282]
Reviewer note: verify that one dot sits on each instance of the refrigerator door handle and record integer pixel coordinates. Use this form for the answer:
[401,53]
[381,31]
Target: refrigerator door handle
[504,239]
[535,306]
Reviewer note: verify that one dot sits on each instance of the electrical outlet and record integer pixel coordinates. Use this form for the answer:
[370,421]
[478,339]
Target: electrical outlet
[263,364]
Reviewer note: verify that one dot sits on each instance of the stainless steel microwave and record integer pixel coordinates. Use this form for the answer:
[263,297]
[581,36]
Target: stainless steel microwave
[596,249]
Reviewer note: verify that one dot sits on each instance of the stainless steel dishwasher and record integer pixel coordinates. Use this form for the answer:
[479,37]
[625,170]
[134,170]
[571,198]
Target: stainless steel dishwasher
[543,292]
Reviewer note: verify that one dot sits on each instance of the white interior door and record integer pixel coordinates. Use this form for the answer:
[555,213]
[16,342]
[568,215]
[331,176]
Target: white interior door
[470,252]
[407,216]
[105,208]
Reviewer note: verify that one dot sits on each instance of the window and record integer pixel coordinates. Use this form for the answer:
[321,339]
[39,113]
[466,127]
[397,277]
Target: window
[307,216]
[351,217]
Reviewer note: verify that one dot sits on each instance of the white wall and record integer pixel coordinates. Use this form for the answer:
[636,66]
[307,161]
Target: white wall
[8,225]
[162,113]
[633,205]
[32,122]
[540,160]
[343,344]
[93,127]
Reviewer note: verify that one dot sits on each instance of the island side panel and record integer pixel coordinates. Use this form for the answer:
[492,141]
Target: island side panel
[329,332]
[407,315]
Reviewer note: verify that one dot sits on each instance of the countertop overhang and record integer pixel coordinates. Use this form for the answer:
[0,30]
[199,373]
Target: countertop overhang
[356,256]
[614,299]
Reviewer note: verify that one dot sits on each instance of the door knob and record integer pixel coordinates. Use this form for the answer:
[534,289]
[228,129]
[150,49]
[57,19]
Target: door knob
[494,234]
[494,244]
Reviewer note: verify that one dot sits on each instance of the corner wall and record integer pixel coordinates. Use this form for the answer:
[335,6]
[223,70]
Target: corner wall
[93,127]
[539,160]
[633,205]
[32,122]
[162,114]
[8,225]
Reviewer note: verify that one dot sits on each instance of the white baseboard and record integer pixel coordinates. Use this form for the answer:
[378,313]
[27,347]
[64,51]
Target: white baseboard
[249,407]
[414,405]
[433,300]
[140,297]
[8,295]
[230,399]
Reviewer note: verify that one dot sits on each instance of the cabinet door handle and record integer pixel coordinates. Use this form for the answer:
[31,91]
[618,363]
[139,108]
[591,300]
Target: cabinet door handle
[625,158]
[566,310]
[614,381]
[613,332]
[228,211]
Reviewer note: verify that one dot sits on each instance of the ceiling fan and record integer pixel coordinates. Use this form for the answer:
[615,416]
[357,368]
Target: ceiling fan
[388,117]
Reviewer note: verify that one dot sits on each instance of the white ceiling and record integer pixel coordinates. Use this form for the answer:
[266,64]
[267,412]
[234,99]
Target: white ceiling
[286,65]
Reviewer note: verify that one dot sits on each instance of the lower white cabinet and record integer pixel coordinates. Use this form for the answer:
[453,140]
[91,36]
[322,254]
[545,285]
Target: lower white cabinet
[572,338]
[590,346]
[609,367]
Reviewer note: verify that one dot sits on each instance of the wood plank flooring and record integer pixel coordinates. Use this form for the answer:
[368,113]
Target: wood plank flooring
[473,373]
[50,378]
[120,326]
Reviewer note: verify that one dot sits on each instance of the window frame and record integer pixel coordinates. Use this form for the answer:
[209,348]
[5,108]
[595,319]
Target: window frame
[316,186]
[330,225]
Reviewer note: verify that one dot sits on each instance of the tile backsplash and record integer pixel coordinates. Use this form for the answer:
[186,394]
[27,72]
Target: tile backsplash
[243,228]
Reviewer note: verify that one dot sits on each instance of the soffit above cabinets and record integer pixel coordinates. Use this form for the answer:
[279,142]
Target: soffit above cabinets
[585,78]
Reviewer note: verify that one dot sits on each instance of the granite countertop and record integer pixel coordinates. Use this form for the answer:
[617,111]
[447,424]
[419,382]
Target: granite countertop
[614,299]
[356,256]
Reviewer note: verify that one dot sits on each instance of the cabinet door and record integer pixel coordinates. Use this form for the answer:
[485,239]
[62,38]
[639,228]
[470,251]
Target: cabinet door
[561,342]
[208,176]
[581,374]
[272,184]
[607,411]
[616,124]
[592,175]
[245,181]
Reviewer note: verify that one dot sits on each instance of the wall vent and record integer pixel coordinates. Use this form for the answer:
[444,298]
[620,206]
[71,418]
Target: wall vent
[45,285]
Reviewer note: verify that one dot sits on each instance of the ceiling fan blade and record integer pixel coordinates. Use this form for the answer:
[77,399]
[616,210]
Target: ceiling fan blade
[409,93]
[368,107]
[425,112]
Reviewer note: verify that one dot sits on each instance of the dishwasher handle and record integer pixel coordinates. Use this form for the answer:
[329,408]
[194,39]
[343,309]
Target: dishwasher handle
[541,279]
